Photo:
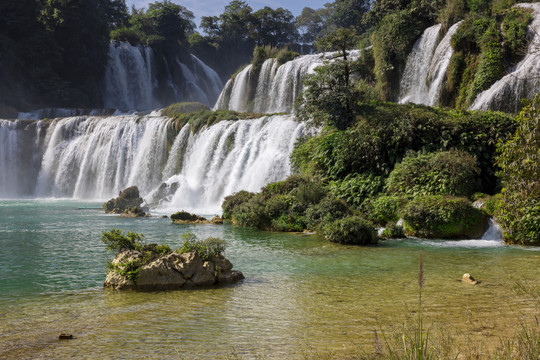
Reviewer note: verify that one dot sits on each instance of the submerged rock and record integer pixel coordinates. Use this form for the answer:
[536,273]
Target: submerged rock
[128,204]
[468,279]
[168,272]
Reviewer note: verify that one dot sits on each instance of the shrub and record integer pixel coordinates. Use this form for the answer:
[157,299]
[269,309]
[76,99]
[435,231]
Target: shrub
[383,209]
[442,173]
[207,249]
[352,230]
[393,231]
[438,216]
[356,188]
[514,28]
[285,55]
[117,241]
[519,160]
[185,216]
[231,202]
[126,34]
[327,210]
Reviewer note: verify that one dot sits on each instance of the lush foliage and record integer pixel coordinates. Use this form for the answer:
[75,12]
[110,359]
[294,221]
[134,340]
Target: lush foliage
[384,133]
[207,249]
[520,173]
[439,216]
[440,173]
[384,209]
[117,241]
[351,230]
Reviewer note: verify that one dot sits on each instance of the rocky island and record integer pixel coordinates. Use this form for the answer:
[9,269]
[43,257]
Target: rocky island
[138,266]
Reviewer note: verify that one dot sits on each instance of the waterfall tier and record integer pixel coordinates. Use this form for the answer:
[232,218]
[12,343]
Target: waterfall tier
[523,81]
[425,71]
[135,79]
[273,89]
[95,157]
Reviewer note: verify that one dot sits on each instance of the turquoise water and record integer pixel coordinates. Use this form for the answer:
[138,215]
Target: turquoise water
[301,294]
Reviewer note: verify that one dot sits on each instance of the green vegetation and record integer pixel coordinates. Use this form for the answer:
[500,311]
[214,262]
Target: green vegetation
[296,204]
[440,173]
[207,249]
[198,115]
[116,241]
[519,160]
[436,216]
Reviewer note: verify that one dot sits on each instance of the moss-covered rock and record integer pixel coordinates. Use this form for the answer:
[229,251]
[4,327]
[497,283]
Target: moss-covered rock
[443,217]
[128,199]
[183,217]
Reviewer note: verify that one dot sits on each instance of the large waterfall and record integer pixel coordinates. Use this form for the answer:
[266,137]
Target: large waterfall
[131,79]
[95,157]
[425,71]
[523,81]
[272,89]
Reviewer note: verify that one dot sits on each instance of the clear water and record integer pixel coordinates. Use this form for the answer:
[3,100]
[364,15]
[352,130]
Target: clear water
[301,294]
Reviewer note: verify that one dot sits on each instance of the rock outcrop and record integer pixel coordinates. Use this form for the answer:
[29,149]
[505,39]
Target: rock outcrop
[183,217]
[468,279]
[168,272]
[128,204]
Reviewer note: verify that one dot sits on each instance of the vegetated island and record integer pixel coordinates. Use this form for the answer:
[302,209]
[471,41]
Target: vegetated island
[149,267]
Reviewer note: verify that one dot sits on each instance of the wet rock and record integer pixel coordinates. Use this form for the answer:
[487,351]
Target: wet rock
[128,203]
[216,220]
[183,217]
[65,336]
[170,271]
[468,279]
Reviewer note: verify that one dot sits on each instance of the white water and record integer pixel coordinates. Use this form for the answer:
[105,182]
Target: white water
[523,81]
[130,82]
[90,157]
[425,71]
[276,87]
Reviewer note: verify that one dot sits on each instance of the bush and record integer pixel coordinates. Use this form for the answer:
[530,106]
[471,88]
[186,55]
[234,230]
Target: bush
[442,173]
[443,217]
[207,249]
[126,34]
[328,210]
[231,202]
[519,160]
[351,230]
[383,209]
[117,241]
[514,28]
[393,231]
[356,188]
[185,216]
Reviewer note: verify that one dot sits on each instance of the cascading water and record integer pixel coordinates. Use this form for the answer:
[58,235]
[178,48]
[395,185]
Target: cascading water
[228,157]
[274,89]
[426,67]
[523,81]
[128,82]
[96,157]
[131,83]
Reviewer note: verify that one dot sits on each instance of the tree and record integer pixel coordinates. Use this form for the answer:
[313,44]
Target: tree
[274,27]
[520,176]
[349,13]
[311,23]
[330,97]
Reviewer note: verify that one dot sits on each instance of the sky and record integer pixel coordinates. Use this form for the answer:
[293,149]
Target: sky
[215,7]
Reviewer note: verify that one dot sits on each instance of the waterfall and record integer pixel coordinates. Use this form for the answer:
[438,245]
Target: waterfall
[20,142]
[274,89]
[131,83]
[493,233]
[128,82]
[228,157]
[423,78]
[523,81]
[91,157]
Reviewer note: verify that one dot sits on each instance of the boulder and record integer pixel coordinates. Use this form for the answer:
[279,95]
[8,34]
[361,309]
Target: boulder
[128,203]
[183,217]
[468,279]
[170,271]
[216,220]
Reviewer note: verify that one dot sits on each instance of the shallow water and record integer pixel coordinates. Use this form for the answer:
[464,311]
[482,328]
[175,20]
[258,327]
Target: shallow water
[302,295]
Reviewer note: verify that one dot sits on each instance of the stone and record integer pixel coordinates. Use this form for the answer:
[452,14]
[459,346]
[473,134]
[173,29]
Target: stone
[65,336]
[183,217]
[169,271]
[129,200]
[468,279]
[216,220]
